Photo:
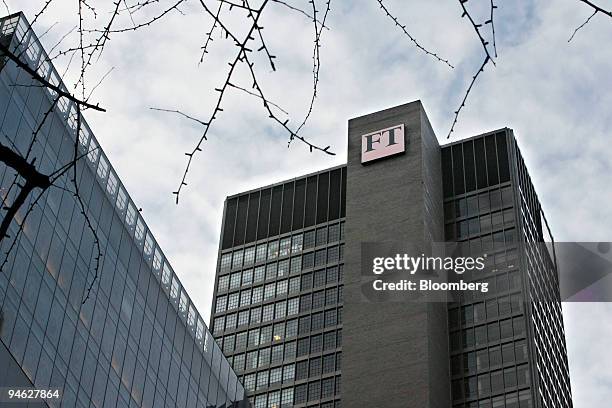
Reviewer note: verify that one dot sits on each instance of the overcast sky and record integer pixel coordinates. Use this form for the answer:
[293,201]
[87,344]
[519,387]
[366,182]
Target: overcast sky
[554,94]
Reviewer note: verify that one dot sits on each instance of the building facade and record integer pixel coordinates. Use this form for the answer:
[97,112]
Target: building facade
[135,339]
[289,311]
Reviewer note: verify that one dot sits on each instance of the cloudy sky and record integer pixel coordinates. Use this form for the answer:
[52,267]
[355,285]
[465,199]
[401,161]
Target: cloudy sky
[554,94]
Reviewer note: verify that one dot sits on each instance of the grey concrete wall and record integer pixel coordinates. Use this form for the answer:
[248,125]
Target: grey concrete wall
[394,354]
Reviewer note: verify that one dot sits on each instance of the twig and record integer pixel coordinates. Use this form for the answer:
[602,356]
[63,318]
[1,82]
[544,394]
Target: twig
[303,12]
[597,8]
[582,25]
[487,59]
[180,113]
[416,43]
[258,96]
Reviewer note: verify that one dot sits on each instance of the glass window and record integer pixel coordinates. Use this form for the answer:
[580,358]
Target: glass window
[308,260]
[294,285]
[225,262]
[296,265]
[235,280]
[309,239]
[243,318]
[272,250]
[334,233]
[293,306]
[271,270]
[269,291]
[245,298]
[280,310]
[285,245]
[283,268]
[249,256]
[247,277]
[296,243]
[259,274]
[256,315]
[288,373]
[232,301]
[230,321]
[257,294]
[221,304]
[281,288]
[268,313]
[321,236]
[292,328]
[260,254]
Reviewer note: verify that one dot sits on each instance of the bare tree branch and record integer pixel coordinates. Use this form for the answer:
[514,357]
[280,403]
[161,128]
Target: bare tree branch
[582,25]
[416,43]
[180,113]
[597,8]
[487,59]
[46,83]
[299,10]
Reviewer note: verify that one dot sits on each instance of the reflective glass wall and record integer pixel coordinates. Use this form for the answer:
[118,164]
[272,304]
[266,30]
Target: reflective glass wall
[126,336]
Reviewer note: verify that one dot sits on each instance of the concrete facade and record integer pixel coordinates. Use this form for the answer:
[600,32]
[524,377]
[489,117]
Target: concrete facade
[394,353]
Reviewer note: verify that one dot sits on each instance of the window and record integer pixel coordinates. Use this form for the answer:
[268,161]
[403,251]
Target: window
[327,388]
[321,236]
[294,285]
[287,398]
[262,380]
[281,288]
[280,310]
[302,347]
[260,253]
[264,357]
[296,265]
[249,382]
[316,343]
[257,294]
[291,329]
[268,313]
[320,257]
[277,355]
[276,374]
[255,315]
[245,298]
[330,318]
[283,268]
[239,361]
[285,245]
[253,337]
[301,370]
[271,270]
[230,321]
[293,306]
[334,233]
[318,299]
[296,243]
[304,325]
[300,394]
[272,250]
[249,256]
[269,290]
[225,262]
[251,360]
[218,324]
[309,239]
[333,254]
[288,373]
[241,340]
[329,340]
[319,278]
[237,259]
[317,321]
[314,391]
[258,274]
[265,335]
[308,260]
[332,274]
[247,277]
[232,301]
[278,333]
[221,304]
[235,280]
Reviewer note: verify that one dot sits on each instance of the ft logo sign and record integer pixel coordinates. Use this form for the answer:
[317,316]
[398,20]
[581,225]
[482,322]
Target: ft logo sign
[382,143]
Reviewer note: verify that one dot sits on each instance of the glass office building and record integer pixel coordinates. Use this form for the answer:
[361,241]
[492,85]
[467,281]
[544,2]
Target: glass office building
[283,281]
[135,340]
[277,310]
[508,345]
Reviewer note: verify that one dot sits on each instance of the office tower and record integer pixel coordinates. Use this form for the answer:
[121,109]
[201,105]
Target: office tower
[507,347]
[136,339]
[290,298]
